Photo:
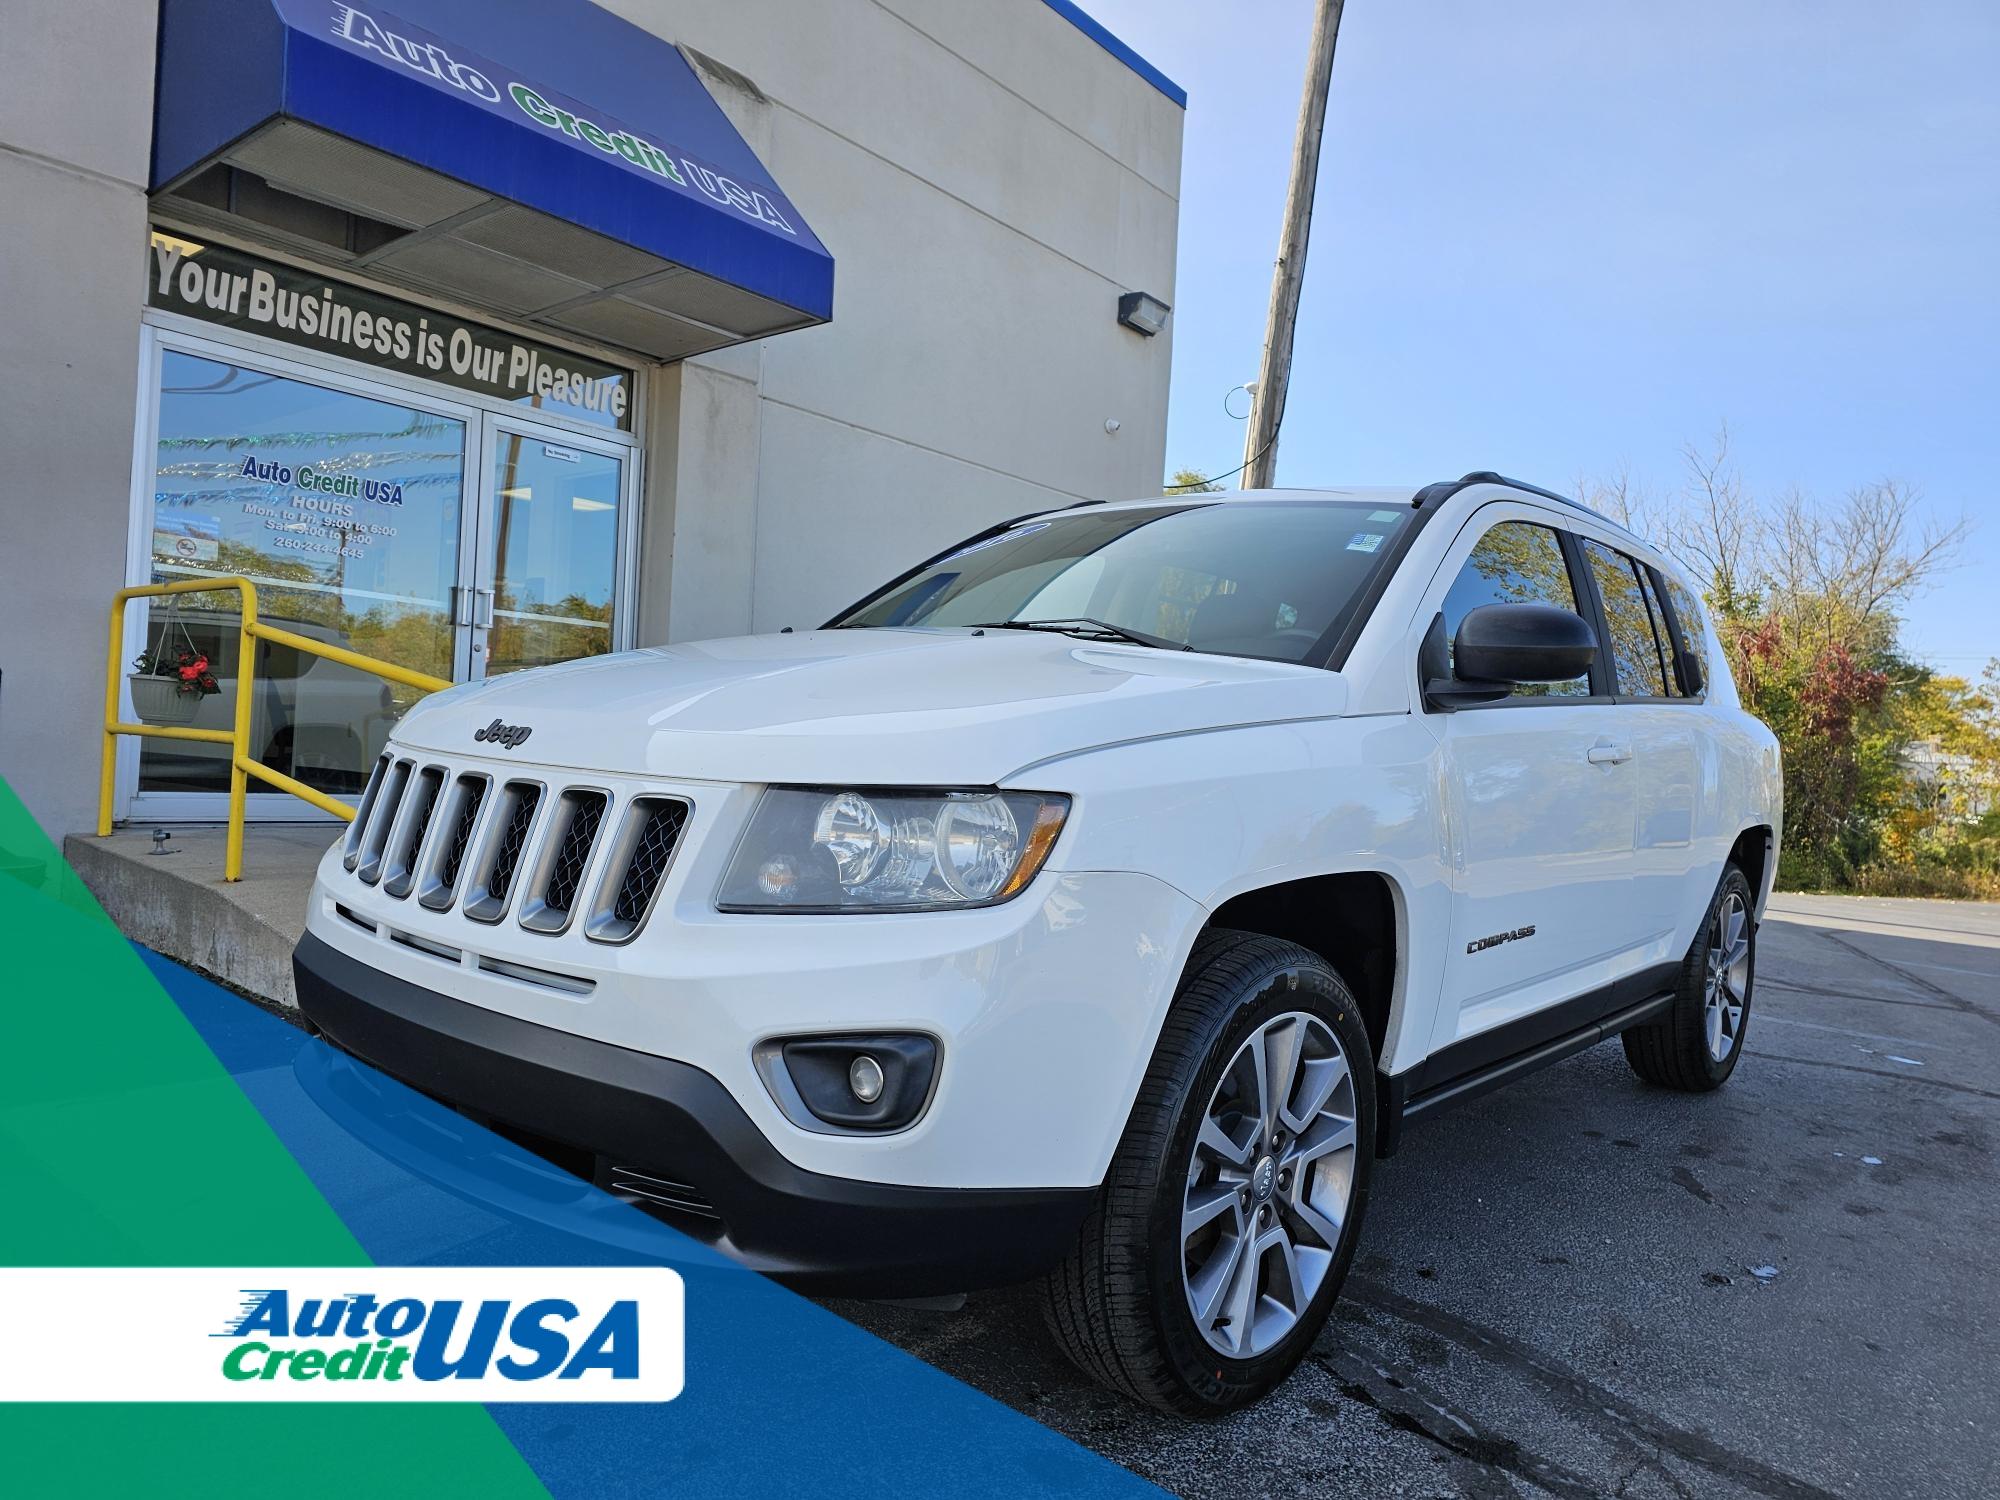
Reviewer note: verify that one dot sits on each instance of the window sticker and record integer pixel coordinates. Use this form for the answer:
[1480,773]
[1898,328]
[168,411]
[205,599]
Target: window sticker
[187,539]
[1385,515]
[1364,541]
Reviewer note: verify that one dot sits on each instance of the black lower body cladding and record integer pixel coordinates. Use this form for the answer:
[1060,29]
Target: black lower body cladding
[831,1235]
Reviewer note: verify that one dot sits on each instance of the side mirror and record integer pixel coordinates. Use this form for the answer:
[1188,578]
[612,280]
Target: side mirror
[1499,646]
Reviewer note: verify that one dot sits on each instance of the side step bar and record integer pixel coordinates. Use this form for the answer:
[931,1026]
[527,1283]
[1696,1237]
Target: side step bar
[1397,1106]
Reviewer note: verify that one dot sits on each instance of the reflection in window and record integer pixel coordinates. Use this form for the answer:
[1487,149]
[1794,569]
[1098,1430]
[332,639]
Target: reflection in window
[1240,578]
[345,512]
[556,553]
[1694,629]
[1635,643]
[1517,562]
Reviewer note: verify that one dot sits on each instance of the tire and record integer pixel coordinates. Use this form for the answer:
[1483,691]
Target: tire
[1695,1046]
[1122,1302]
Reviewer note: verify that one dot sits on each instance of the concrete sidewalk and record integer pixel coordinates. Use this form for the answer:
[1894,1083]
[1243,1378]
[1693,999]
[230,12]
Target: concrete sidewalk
[241,932]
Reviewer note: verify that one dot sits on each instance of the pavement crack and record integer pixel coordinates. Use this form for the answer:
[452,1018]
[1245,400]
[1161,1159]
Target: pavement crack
[1407,1404]
[1597,1406]
[1818,993]
[1915,981]
[1900,1077]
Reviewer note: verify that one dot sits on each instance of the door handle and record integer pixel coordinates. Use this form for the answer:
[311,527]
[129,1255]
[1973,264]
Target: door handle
[461,605]
[1605,753]
[482,608]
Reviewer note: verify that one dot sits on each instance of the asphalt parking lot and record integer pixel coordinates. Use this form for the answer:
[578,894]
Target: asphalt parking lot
[1582,1286]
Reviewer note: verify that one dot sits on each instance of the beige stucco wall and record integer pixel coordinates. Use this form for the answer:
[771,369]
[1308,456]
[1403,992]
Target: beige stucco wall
[989,180]
[72,175]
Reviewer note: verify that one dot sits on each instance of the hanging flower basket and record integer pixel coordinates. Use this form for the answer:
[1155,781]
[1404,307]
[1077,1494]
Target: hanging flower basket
[159,700]
[170,678]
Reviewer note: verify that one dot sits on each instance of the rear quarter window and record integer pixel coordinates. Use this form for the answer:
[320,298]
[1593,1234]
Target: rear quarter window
[1694,625]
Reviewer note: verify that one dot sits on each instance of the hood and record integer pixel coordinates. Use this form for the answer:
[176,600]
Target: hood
[861,707]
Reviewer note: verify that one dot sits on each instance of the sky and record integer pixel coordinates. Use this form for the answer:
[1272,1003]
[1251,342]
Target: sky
[1563,239]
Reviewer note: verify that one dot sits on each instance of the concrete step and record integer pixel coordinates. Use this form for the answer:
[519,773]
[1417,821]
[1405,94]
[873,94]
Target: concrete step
[241,932]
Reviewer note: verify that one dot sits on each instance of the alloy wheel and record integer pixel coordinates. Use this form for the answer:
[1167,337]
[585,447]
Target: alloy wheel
[1728,984]
[1269,1185]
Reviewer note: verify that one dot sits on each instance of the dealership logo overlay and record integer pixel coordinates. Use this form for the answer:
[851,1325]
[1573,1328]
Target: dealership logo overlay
[345,1334]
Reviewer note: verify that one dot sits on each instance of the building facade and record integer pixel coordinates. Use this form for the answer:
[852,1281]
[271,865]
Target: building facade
[483,335]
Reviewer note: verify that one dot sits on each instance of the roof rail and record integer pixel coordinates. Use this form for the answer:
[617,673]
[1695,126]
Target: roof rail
[1487,476]
[1432,494]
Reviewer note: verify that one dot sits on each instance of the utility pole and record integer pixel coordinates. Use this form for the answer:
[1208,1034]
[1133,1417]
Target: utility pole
[1260,443]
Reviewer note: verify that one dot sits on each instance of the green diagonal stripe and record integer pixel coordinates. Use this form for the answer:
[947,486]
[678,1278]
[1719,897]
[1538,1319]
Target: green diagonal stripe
[123,1142]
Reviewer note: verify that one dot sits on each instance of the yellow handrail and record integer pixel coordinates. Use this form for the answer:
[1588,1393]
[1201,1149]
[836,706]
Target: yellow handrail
[241,766]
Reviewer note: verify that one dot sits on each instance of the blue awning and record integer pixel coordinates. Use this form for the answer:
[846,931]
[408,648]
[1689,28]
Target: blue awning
[544,159]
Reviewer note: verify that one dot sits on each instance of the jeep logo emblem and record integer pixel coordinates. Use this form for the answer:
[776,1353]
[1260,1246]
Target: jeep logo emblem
[506,735]
[1264,1179]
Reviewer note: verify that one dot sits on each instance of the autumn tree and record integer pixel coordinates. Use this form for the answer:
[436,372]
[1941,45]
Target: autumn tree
[1808,596]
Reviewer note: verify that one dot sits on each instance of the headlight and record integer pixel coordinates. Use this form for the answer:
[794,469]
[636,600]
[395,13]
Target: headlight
[826,850]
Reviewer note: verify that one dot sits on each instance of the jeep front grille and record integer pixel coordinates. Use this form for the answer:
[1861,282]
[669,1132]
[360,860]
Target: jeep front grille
[461,840]
[575,850]
[468,795]
[514,816]
[351,851]
[566,850]
[637,867]
[388,802]
[399,862]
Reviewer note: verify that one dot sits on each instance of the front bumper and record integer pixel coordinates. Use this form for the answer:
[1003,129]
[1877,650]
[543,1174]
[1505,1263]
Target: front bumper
[640,1117]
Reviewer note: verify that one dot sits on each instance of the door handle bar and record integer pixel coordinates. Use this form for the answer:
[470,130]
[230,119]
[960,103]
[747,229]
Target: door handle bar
[1607,754]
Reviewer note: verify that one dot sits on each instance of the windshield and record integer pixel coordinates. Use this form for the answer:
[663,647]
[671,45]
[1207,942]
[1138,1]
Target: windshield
[1240,578]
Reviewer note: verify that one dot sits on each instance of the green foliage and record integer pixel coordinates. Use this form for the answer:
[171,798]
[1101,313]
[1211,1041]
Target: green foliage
[1188,482]
[1891,771]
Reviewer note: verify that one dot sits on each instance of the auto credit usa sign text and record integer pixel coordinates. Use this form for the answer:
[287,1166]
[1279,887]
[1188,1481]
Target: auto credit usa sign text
[392,40]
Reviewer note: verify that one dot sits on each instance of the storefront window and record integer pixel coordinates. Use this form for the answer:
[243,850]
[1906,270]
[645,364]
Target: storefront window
[348,514]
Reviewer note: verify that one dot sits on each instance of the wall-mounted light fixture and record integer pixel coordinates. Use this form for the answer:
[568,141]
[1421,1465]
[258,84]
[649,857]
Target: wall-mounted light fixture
[1142,312]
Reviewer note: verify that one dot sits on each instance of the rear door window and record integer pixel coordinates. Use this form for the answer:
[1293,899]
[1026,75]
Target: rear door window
[1636,631]
[1662,635]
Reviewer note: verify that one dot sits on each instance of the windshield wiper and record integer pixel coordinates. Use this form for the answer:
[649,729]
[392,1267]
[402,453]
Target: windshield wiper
[1083,625]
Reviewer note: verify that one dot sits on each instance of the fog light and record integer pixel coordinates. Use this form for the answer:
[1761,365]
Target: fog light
[864,1076]
[861,1081]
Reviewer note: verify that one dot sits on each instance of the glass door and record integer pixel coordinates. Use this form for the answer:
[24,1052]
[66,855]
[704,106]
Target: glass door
[349,512]
[444,536]
[548,549]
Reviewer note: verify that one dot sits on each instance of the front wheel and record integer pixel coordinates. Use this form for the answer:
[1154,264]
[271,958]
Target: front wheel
[1694,1047]
[1233,1204]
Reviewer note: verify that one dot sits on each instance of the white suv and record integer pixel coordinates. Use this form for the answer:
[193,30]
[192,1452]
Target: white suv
[1096,901]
